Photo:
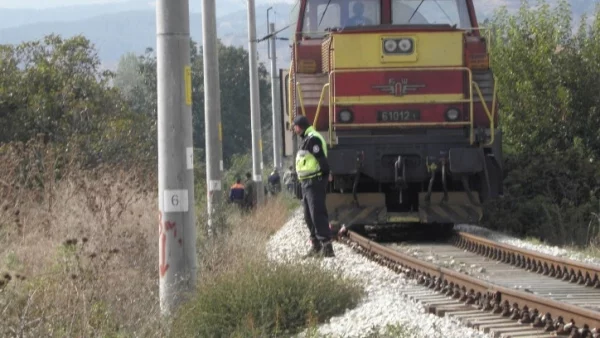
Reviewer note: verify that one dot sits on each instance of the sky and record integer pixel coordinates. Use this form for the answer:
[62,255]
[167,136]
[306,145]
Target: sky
[59,3]
[49,3]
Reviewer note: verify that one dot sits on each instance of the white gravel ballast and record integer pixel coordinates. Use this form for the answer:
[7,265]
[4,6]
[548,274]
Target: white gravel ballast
[383,304]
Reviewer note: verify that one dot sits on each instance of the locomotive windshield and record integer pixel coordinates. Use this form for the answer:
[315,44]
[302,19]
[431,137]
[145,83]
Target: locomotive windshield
[419,12]
[321,15]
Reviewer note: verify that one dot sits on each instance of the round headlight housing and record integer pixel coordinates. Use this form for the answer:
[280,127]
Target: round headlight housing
[452,114]
[390,45]
[345,116]
[404,45]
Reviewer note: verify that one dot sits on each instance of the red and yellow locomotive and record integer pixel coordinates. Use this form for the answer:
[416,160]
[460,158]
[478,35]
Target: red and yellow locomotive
[403,93]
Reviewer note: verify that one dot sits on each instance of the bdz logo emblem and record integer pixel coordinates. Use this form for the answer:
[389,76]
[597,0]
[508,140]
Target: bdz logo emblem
[398,88]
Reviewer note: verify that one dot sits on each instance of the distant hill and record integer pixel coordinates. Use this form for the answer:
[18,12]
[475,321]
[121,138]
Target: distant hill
[115,34]
[130,26]
[18,17]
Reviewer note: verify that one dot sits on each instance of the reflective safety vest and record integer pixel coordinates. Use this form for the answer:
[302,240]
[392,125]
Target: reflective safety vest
[307,165]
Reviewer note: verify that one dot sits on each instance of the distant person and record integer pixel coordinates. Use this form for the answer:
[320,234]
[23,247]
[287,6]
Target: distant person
[358,18]
[250,193]
[274,182]
[266,192]
[288,179]
[236,193]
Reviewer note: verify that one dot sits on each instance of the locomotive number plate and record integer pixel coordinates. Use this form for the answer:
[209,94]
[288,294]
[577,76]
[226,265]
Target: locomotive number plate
[398,115]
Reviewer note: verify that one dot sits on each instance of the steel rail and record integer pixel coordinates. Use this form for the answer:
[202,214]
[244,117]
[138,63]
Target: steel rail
[526,308]
[547,265]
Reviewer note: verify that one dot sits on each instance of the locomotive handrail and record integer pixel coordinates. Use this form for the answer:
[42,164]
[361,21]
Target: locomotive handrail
[407,124]
[331,107]
[486,109]
[410,124]
[290,78]
[300,97]
[319,105]
[352,70]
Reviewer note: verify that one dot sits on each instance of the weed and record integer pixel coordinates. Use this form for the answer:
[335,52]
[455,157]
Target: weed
[79,256]
[264,300]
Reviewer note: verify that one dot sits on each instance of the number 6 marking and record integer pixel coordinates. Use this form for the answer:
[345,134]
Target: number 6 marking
[175,201]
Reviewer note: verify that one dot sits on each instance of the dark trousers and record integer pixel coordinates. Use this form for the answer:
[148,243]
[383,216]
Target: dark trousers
[314,191]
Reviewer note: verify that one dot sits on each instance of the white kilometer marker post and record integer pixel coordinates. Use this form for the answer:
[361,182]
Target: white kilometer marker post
[255,104]
[277,123]
[177,224]
[212,108]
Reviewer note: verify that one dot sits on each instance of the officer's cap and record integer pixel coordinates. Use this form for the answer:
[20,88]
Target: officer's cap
[301,121]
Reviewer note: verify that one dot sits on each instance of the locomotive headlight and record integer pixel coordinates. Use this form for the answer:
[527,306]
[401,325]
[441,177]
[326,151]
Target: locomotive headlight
[345,116]
[390,45]
[452,114]
[405,45]
[398,46]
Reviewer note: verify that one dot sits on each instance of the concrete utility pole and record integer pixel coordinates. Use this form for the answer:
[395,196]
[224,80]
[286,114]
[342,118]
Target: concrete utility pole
[212,108]
[177,224]
[277,137]
[257,160]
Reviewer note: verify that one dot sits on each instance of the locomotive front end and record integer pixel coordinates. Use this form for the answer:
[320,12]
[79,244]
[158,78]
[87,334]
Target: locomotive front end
[408,108]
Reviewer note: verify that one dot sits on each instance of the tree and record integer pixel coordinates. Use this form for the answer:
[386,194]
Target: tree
[547,80]
[56,87]
[235,96]
[129,80]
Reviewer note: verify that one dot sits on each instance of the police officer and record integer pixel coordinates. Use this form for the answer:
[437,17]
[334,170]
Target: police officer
[312,169]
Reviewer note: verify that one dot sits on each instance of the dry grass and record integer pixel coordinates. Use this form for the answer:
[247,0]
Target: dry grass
[239,237]
[242,294]
[78,248]
[78,255]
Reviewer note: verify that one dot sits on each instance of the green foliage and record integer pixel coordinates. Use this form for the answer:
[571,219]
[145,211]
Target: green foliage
[239,165]
[55,87]
[235,96]
[531,75]
[129,79]
[265,300]
[547,77]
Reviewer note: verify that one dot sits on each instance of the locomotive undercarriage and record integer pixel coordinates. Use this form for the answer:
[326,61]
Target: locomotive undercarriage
[414,180]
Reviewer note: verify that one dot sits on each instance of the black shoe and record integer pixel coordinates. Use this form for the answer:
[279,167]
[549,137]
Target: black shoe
[315,250]
[327,250]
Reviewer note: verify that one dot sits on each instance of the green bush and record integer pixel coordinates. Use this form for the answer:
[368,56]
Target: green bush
[547,88]
[552,198]
[265,300]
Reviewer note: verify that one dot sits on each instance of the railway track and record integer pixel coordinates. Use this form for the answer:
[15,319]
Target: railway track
[499,289]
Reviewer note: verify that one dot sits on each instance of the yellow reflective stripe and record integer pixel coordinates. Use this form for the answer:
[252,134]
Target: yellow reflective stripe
[310,132]
[306,164]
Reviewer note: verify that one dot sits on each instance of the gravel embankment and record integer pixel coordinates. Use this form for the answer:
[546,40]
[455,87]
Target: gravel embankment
[546,249]
[384,303]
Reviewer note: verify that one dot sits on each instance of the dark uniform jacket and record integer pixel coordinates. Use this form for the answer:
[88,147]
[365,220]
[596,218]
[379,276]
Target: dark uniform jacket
[236,194]
[250,194]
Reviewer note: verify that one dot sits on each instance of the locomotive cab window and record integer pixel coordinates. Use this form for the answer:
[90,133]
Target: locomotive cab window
[321,15]
[431,12]
[363,13]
